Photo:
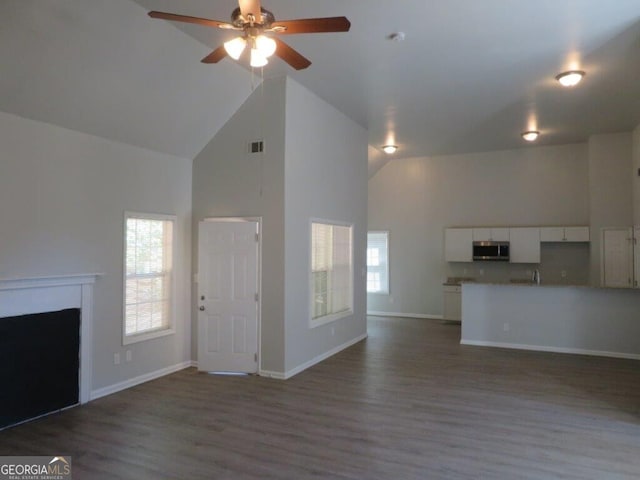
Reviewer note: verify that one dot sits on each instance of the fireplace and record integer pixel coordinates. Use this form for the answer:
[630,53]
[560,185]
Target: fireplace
[39,364]
[24,297]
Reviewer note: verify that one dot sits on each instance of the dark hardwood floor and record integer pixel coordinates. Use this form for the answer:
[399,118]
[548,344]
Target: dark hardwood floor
[407,403]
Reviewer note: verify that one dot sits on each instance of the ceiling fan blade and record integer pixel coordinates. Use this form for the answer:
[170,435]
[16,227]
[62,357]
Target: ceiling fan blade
[312,25]
[215,56]
[248,7]
[289,55]
[184,18]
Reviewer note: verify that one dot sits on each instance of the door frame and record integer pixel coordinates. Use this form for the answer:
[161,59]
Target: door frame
[258,220]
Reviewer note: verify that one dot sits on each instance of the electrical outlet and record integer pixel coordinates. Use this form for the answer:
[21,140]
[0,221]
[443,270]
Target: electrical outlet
[563,274]
[128,356]
[506,327]
[481,272]
[333,331]
[390,299]
[116,358]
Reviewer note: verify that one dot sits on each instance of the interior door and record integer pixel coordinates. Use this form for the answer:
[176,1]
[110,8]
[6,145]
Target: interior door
[636,257]
[228,296]
[617,257]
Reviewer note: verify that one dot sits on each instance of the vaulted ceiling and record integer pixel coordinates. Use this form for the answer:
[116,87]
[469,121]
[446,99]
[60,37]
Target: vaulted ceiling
[470,76]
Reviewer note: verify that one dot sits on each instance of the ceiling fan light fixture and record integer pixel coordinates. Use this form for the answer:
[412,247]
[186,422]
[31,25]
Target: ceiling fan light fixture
[266,45]
[389,149]
[530,135]
[257,58]
[570,78]
[235,47]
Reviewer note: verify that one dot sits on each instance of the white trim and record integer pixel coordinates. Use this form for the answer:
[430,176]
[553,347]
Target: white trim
[48,281]
[407,315]
[272,374]
[540,348]
[294,371]
[132,382]
[24,296]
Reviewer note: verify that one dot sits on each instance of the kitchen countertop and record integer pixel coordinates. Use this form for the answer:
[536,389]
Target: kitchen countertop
[457,281]
[518,283]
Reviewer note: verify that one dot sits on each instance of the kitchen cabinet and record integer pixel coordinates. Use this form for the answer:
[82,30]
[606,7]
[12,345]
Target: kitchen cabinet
[564,234]
[486,234]
[458,243]
[452,307]
[524,245]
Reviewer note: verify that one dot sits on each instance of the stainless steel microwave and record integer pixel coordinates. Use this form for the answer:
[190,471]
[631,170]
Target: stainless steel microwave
[491,251]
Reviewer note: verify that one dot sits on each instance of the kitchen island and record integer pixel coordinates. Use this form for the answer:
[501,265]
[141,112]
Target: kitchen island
[555,318]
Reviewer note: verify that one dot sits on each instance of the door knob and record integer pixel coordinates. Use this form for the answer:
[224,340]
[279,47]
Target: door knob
[202,308]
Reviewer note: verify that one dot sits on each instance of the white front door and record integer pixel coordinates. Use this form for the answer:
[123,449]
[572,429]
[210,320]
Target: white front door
[228,296]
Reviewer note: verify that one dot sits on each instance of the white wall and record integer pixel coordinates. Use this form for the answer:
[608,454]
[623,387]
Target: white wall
[610,191]
[416,198]
[326,178]
[62,199]
[314,165]
[228,181]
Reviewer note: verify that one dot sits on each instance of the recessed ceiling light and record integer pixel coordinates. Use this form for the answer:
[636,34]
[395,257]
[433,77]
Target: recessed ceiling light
[390,149]
[570,78]
[530,135]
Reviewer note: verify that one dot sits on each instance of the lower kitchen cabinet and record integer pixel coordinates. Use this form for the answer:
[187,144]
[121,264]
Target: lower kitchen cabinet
[452,308]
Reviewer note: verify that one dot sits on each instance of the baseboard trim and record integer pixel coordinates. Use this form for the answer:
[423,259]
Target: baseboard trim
[542,348]
[272,374]
[294,371]
[132,382]
[406,315]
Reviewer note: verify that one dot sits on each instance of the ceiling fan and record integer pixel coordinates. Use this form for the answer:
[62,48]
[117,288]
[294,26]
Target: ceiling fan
[254,22]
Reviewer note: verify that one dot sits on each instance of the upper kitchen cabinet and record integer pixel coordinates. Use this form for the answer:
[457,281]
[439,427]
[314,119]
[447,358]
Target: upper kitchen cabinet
[491,234]
[458,244]
[524,245]
[564,234]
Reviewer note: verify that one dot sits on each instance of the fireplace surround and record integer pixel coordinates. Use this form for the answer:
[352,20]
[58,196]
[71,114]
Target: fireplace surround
[23,296]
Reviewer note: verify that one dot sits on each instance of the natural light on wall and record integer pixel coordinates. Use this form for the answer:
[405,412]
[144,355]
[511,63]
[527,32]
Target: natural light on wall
[148,276]
[331,282]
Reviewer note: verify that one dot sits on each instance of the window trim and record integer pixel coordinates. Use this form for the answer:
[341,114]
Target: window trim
[332,317]
[159,332]
[388,290]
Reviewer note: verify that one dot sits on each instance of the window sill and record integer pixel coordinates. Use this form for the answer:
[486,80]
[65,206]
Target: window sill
[141,337]
[317,322]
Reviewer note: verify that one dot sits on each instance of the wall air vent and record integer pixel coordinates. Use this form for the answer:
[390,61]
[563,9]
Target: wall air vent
[256,146]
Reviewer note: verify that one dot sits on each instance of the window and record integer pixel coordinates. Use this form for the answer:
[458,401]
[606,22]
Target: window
[148,276]
[378,262]
[331,272]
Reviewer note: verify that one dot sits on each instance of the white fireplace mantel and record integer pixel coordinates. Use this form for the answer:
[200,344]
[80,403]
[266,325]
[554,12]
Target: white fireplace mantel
[24,296]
